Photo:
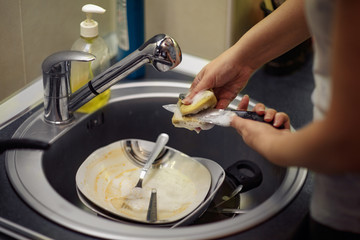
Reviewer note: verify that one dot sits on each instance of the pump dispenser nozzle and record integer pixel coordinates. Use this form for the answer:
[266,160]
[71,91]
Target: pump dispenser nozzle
[89,27]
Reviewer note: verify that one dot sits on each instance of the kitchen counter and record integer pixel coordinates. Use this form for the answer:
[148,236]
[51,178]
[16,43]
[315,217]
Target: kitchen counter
[289,93]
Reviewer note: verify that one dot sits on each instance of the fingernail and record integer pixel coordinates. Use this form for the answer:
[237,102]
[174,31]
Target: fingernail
[186,101]
[267,119]
[261,109]
[276,123]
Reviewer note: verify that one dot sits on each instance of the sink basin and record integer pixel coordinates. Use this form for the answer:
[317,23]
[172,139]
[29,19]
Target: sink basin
[46,180]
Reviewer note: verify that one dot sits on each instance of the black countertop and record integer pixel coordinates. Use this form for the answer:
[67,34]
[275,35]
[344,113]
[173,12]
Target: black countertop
[290,93]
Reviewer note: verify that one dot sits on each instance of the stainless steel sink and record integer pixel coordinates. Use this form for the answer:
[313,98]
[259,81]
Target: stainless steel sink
[46,180]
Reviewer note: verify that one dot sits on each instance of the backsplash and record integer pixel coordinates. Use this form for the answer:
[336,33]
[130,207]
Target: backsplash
[32,30]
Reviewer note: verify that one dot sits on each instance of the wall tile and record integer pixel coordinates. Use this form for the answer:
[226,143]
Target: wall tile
[198,26]
[11,60]
[244,14]
[51,26]
[32,30]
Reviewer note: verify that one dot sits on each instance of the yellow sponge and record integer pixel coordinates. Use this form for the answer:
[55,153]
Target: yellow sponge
[201,101]
[182,117]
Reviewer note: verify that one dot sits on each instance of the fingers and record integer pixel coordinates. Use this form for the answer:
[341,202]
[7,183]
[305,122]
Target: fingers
[270,115]
[197,80]
[259,108]
[257,135]
[244,103]
[196,87]
[280,119]
[222,103]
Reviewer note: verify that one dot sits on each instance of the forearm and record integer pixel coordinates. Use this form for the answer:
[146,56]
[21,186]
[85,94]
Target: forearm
[318,147]
[229,73]
[279,32]
[321,146]
[330,145]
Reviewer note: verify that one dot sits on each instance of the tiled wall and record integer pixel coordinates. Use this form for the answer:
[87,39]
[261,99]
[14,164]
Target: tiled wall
[204,28]
[33,29]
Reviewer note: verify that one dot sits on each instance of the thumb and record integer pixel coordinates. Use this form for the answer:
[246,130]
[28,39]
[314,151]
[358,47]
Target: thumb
[238,123]
[246,127]
[249,130]
[198,85]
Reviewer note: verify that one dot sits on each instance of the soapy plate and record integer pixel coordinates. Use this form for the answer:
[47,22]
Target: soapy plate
[108,175]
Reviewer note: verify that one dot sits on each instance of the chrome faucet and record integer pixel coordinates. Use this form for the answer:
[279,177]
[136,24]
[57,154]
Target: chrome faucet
[161,51]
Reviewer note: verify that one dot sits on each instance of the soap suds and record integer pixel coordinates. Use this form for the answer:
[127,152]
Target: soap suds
[188,122]
[216,116]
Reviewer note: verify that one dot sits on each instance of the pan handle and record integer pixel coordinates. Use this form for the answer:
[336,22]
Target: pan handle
[22,144]
[250,178]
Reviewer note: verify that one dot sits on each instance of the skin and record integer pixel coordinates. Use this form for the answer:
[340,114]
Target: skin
[326,146]
[228,74]
[270,114]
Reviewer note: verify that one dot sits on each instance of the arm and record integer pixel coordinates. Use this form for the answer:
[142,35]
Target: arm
[276,34]
[330,145]
[228,74]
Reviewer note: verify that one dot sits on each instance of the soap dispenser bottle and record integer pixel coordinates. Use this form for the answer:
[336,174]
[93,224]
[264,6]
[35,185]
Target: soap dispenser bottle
[83,72]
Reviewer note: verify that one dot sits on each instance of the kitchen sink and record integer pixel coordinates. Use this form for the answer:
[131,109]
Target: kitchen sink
[46,180]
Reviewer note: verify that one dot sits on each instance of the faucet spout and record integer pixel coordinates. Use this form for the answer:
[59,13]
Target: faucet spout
[161,51]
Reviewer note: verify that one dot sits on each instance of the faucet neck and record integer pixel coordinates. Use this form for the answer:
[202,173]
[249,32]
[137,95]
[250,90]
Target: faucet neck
[56,81]
[106,79]
[161,51]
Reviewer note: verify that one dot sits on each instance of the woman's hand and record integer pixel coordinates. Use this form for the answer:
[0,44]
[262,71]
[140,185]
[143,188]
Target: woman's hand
[225,75]
[229,73]
[257,135]
[279,118]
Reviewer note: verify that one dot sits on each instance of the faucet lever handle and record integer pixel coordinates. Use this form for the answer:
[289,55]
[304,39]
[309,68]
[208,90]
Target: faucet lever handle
[56,80]
[59,61]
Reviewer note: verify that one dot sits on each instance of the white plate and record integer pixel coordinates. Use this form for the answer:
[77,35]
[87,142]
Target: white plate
[108,175]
